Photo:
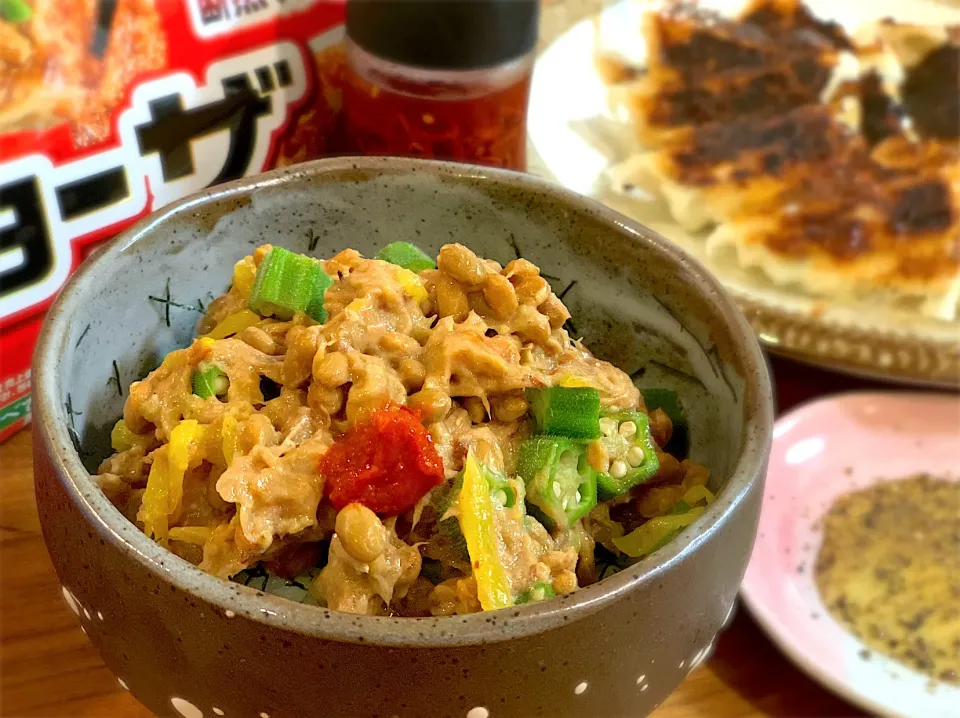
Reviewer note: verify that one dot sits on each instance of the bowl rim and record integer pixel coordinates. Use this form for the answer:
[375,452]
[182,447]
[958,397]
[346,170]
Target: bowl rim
[235,599]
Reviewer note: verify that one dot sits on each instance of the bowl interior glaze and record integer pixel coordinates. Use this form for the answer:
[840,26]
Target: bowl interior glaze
[635,299]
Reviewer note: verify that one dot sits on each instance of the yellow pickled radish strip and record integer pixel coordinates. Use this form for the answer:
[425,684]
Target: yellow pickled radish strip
[154,511]
[197,535]
[186,452]
[165,483]
[244,275]
[411,284]
[483,542]
[121,438]
[698,493]
[571,382]
[228,438]
[655,533]
[234,324]
[358,304]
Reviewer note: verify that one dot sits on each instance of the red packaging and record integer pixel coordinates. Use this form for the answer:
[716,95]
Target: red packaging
[110,109]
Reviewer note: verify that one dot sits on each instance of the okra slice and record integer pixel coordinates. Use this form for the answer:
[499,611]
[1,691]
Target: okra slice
[573,412]
[559,482]
[287,283]
[630,456]
[406,255]
[210,380]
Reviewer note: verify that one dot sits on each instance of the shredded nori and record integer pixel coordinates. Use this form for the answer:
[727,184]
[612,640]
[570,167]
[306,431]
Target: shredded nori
[430,569]
[269,388]
[608,563]
[247,576]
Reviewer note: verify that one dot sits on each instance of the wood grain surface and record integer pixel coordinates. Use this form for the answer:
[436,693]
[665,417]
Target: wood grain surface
[47,667]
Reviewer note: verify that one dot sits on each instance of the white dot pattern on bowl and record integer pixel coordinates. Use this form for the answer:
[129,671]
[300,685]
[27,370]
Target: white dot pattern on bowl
[264,715]
[99,615]
[229,614]
[478,712]
[71,601]
[186,708]
[123,684]
[581,687]
[218,711]
[733,607]
[644,687]
[701,655]
[641,679]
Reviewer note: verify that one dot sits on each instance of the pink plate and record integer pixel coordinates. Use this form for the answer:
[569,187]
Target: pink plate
[820,451]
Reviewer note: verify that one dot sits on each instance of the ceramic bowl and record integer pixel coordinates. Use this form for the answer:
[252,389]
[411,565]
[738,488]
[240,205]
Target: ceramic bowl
[188,644]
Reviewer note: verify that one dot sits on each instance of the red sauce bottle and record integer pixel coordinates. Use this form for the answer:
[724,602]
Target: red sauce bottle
[440,79]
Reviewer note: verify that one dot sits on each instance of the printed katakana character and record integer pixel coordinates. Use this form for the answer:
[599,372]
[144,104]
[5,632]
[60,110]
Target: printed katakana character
[27,243]
[173,128]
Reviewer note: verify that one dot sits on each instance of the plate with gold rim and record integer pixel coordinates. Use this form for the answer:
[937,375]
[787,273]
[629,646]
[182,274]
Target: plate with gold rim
[575,143]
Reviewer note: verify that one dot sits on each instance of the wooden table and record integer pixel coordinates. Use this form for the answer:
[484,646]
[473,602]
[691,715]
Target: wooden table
[47,667]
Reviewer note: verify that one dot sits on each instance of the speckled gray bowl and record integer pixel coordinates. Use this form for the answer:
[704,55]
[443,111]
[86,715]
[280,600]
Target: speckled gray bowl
[188,644]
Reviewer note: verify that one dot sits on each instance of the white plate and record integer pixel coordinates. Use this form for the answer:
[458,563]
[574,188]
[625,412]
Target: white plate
[577,142]
[821,451]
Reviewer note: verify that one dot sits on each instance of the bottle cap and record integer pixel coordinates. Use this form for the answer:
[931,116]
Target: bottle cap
[444,34]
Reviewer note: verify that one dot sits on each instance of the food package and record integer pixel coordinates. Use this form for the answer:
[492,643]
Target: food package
[110,109]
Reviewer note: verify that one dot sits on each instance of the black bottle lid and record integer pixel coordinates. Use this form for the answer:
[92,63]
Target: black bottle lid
[444,34]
